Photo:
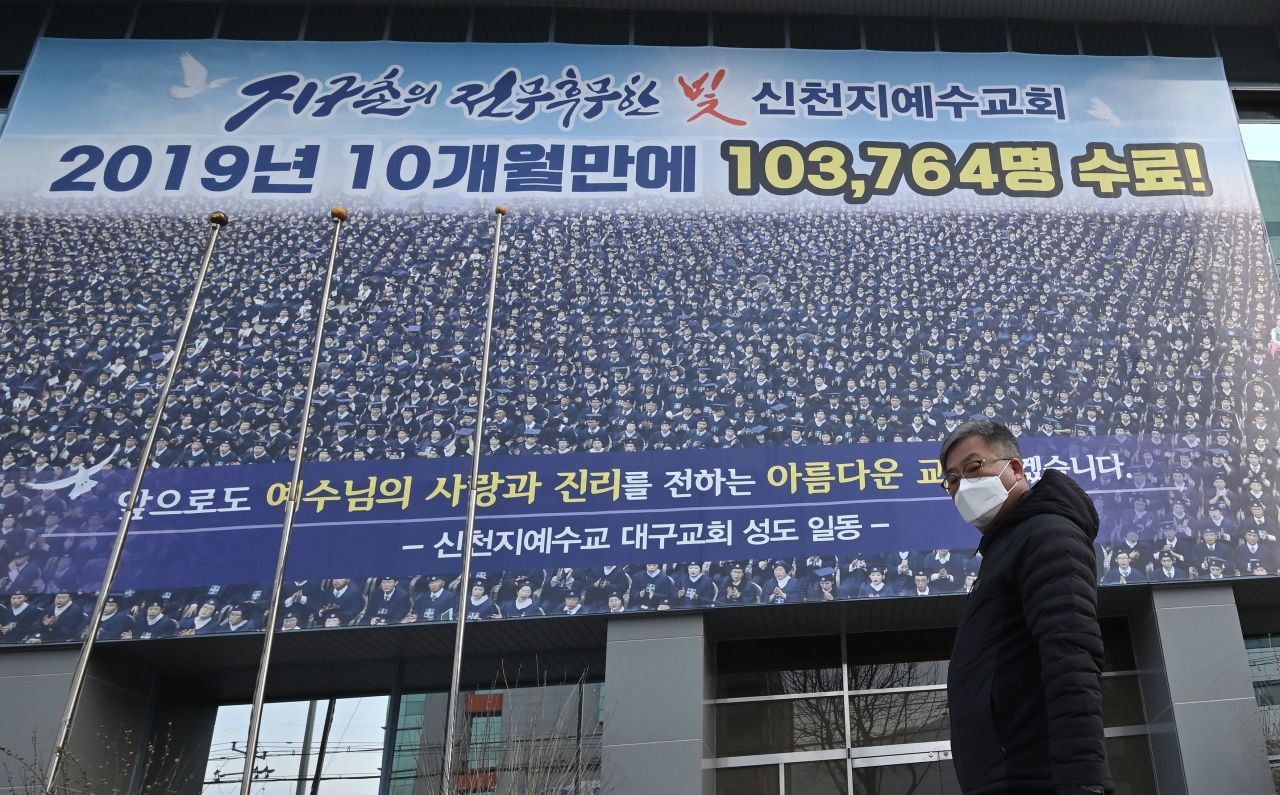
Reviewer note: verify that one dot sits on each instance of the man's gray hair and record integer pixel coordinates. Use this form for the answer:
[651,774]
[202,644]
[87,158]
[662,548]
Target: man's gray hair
[997,434]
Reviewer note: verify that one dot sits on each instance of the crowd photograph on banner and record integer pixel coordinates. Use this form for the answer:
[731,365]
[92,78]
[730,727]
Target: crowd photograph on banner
[719,375]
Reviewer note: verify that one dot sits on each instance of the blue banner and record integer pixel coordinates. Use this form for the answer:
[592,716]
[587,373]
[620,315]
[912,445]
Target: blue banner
[743,296]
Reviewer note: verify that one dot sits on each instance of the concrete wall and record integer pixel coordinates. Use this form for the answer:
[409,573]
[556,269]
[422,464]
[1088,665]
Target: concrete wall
[656,730]
[33,689]
[1205,731]
[113,718]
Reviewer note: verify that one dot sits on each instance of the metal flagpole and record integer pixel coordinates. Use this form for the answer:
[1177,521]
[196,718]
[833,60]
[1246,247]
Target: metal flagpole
[218,220]
[339,216]
[451,707]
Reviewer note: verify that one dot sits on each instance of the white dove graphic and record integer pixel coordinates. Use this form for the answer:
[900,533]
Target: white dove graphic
[195,79]
[1101,110]
[81,482]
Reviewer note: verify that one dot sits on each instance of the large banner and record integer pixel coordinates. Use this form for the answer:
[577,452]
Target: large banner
[744,295]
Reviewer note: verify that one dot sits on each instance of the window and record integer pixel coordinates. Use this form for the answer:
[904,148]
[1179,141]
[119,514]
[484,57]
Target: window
[912,35]
[18,32]
[346,23]
[1249,55]
[670,29]
[750,30]
[583,26]
[1111,39]
[275,22]
[511,736]
[1263,654]
[351,746]
[972,35]
[90,20]
[175,21]
[8,86]
[825,32]
[1262,146]
[868,714]
[415,23]
[1181,40]
[1053,38]
[510,24]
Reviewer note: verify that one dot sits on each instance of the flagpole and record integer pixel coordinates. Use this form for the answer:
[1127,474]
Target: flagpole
[339,216]
[451,707]
[217,220]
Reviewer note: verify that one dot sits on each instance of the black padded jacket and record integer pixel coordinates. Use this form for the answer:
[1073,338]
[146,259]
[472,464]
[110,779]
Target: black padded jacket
[1025,680]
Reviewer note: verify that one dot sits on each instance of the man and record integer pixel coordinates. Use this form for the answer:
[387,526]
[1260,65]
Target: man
[1167,570]
[1209,549]
[64,620]
[573,604]
[20,619]
[1253,548]
[204,622]
[1122,573]
[389,605]
[1025,679]
[738,589]
[301,597]
[115,625]
[342,600]
[436,603]
[155,623]
[651,589]
[237,621]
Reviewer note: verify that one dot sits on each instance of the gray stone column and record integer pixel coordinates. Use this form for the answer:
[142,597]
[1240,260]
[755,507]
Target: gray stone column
[657,731]
[1206,735]
[34,684]
[111,724]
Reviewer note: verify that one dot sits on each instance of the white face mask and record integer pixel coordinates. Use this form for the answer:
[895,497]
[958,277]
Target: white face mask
[979,500]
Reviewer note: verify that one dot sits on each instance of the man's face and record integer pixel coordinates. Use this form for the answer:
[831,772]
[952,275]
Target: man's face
[961,460]
[388,585]
[154,611]
[339,583]
[62,599]
[1122,560]
[922,581]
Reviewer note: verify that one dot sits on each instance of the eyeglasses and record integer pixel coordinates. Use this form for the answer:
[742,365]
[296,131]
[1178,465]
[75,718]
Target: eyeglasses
[970,471]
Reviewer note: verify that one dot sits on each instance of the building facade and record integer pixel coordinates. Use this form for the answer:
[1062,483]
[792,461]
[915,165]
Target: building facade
[839,696]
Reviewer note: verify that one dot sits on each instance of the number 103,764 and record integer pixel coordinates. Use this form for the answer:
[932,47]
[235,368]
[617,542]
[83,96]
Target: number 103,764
[830,168]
